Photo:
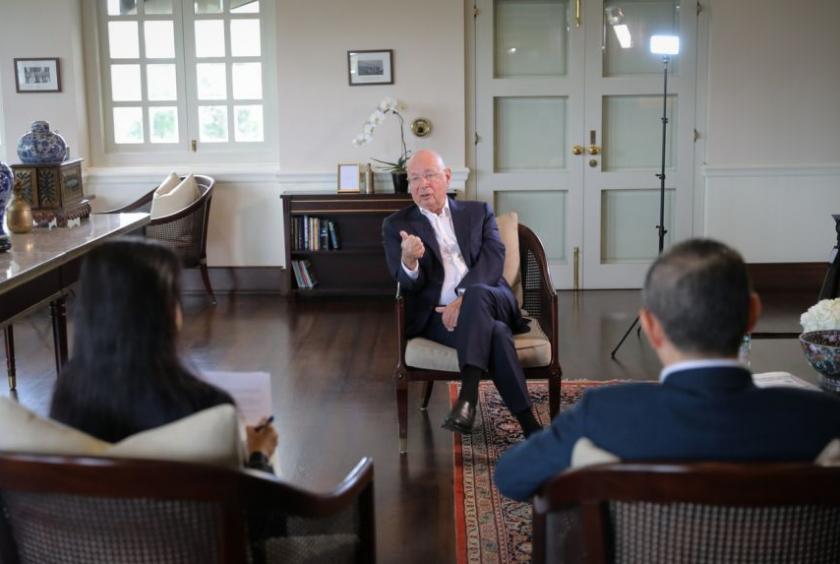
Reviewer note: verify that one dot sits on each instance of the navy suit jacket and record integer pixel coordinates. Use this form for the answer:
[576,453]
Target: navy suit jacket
[714,413]
[480,244]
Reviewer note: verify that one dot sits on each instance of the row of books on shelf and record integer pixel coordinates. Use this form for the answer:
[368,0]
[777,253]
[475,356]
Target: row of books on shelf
[311,233]
[303,274]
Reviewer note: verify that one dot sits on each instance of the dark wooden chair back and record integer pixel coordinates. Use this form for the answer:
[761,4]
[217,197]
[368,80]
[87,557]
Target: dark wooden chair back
[105,510]
[185,231]
[686,513]
[539,300]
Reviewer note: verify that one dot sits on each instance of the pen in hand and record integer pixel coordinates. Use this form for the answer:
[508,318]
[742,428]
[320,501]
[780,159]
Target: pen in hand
[261,426]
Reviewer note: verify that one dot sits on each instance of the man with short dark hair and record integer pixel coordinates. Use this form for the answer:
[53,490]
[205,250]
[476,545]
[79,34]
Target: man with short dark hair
[697,305]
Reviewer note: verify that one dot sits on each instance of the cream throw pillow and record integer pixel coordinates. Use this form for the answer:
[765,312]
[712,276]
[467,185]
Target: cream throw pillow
[210,436]
[176,199]
[509,231]
[168,184]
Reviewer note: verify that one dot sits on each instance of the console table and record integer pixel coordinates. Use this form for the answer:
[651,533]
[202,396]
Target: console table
[42,265]
[357,267]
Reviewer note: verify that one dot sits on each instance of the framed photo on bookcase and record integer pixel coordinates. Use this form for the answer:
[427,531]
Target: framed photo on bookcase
[349,177]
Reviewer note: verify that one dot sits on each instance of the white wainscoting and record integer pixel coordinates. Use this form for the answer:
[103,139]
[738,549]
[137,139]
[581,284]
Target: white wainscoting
[246,215]
[773,214]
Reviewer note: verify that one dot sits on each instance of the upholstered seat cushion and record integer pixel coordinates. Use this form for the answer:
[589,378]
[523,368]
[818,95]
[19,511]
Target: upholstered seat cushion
[210,436]
[533,349]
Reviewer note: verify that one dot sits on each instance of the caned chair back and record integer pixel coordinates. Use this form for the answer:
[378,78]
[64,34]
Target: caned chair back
[689,513]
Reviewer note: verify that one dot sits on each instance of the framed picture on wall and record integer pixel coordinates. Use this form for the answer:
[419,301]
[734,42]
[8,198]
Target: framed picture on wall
[370,67]
[349,177]
[37,75]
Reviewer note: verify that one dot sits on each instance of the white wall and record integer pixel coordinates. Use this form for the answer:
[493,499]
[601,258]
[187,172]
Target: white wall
[772,166]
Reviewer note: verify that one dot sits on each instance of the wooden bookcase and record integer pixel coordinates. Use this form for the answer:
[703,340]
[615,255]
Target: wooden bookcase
[358,267]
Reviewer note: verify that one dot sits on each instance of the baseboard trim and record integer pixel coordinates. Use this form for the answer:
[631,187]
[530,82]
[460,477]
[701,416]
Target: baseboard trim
[238,280]
[788,276]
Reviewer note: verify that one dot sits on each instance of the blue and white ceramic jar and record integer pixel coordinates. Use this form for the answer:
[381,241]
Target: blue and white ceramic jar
[7,180]
[41,146]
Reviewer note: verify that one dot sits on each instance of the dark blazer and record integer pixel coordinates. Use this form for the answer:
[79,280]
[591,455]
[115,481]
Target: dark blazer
[714,413]
[480,244]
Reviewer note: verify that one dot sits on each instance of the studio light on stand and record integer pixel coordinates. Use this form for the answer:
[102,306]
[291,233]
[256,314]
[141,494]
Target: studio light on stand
[667,46]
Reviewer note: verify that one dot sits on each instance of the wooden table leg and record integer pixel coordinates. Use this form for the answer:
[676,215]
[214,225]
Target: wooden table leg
[9,337]
[59,323]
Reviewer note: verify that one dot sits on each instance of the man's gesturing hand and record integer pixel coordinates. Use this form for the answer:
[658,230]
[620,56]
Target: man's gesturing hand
[412,249]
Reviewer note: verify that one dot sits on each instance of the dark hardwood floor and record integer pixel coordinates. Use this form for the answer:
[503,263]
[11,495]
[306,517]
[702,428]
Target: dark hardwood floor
[331,363]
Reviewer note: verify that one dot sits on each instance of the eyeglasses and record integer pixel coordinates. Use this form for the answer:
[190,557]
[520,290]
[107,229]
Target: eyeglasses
[428,177]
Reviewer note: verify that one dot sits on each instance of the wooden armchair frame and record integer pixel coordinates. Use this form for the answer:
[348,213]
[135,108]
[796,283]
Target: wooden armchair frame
[169,229]
[707,489]
[229,494]
[539,300]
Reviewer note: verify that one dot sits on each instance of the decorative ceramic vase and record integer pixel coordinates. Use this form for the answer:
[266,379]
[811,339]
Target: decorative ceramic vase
[6,180]
[822,350]
[19,212]
[41,146]
[400,180]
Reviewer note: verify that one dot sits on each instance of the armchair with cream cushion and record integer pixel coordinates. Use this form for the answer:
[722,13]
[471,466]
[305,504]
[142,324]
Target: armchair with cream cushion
[174,494]
[526,270]
[180,212]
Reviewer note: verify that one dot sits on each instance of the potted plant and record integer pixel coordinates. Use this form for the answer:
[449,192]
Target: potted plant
[399,176]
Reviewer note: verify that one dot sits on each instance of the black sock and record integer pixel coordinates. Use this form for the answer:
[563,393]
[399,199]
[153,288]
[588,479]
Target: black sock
[470,377]
[528,422]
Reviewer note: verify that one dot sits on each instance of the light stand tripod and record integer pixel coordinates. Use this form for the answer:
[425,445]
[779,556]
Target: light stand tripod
[661,227]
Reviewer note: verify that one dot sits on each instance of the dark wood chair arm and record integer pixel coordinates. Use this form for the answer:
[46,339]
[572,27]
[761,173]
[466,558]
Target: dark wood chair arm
[399,310]
[530,244]
[141,201]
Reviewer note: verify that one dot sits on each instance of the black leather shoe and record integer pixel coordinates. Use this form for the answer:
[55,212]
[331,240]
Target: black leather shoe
[461,418]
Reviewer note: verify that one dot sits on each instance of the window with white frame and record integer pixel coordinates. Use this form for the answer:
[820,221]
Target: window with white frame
[185,76]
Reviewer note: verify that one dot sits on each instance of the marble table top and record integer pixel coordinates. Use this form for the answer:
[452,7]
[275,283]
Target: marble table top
[44,249]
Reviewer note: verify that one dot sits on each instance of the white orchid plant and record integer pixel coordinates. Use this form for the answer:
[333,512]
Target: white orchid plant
[824,315]
[387,106]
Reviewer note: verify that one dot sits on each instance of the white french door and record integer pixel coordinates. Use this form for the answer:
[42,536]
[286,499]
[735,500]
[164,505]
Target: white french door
[569,131]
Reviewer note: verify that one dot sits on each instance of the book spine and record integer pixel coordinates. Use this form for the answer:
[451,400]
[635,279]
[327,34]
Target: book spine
[307,267]
[333,234]
[296,270]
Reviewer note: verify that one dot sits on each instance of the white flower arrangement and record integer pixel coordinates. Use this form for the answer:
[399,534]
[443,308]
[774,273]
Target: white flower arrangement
[824,315]
[387,106]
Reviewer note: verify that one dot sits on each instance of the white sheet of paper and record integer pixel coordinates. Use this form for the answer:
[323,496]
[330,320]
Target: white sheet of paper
[250,390]
[770,379]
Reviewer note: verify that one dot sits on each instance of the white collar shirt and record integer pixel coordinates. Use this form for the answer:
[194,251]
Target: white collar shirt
[695,364]
[454,266]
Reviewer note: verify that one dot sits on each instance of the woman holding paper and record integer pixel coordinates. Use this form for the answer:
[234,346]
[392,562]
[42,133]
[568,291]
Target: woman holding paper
[125,375]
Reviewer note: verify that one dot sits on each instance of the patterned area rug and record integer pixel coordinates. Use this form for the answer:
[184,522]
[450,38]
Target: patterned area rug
[488,527]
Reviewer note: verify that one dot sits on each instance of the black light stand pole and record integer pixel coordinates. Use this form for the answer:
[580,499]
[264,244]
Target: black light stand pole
[661,227]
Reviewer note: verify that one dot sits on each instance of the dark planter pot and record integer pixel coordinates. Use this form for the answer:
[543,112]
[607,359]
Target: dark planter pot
[400,180]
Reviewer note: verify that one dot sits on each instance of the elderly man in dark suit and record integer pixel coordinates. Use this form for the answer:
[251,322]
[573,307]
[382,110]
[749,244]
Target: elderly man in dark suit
[697,306]
[448,258]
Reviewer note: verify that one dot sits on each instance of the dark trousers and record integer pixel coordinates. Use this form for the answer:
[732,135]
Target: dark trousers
[484,339]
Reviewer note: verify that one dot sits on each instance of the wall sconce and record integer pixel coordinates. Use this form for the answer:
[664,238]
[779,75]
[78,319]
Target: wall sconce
[421,127]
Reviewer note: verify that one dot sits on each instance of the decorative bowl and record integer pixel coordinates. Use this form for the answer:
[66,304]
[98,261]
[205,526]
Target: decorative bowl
[822,350]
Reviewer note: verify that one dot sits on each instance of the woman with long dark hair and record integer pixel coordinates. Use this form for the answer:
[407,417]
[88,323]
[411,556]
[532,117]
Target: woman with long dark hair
[125,375]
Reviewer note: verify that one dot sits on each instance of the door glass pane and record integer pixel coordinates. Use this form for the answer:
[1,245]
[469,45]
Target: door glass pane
[123,40]
[163,124]
[633,132]
[208,6]
[244,6]
[543,211]
[213,124]
[157,6]
[160,82]
[530,133]
[245,38]
[160,39]
[628,25]
[249,123]
[210,38]
[247,81]
[628,224]
[211,80]
[122,7]
[128,125]
[531,37]
[125,83]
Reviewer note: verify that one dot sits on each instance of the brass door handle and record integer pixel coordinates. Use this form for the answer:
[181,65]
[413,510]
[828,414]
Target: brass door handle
[593,149]
[577,149]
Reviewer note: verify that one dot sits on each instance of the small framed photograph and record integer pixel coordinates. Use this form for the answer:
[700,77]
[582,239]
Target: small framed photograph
[349,177]
[37,75]
[370,67]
